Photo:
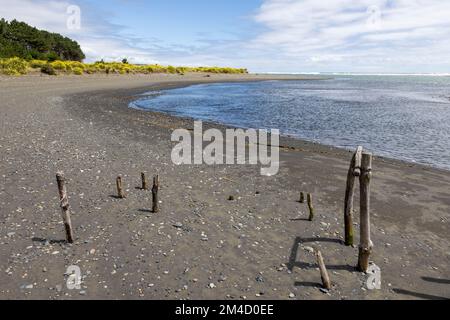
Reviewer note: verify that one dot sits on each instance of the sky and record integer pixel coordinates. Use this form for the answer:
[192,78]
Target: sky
[366,36]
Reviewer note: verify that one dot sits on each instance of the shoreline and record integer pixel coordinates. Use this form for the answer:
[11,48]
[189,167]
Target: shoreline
[84,127]
[287,141]
[290,140]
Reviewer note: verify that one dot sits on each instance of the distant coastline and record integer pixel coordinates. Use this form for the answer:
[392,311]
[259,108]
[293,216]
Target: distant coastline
[362,74]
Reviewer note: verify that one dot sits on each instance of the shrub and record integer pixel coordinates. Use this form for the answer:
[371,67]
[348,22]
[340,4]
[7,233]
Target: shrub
[78,71]
[37,64]
[17,66]
[51,57]
[58,65]
[75,64]
[14,66]
[171,69]
[90,70]
[69,68]
[48,69]
[181,70]
[10,72]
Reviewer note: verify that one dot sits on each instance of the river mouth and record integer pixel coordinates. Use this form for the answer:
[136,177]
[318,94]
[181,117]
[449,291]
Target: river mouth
[400,117]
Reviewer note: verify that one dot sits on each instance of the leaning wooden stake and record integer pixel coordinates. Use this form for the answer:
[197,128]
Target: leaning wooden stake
[155,190]
[354,171]
[64,202]
[144,181]
[323,271]
[311,208]
[366,245]
[120,193]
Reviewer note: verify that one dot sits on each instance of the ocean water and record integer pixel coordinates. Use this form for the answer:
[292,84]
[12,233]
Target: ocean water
[402,117]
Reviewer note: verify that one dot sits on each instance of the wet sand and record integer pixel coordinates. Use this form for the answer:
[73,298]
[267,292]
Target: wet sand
[201,245]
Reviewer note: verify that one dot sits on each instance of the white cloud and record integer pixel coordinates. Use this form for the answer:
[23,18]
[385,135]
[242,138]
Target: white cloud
[98,38]
[43,15]
[365,34]
[295,35]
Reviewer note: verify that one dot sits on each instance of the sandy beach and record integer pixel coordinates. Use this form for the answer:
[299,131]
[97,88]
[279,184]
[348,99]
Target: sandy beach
[200,245]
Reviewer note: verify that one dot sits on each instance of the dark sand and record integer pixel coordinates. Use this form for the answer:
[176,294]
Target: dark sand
[244,247]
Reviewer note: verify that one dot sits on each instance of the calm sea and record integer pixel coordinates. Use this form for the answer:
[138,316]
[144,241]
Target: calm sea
[402,117]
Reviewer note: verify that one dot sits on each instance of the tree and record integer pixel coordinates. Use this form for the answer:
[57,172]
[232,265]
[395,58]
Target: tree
[18,39]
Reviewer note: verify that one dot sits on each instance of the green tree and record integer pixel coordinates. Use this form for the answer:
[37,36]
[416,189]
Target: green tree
[18,39]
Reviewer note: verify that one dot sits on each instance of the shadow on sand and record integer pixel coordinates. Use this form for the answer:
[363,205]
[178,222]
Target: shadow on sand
[145,210]
[418,295]
[436,280]
[49,241]
[306,265]
[308,284]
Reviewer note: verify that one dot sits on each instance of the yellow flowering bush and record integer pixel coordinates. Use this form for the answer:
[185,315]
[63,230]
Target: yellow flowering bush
[78,71]
[13,66]
[18,66]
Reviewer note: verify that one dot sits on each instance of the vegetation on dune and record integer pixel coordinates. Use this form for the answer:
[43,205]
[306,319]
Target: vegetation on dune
[48,69]
[18,39]
[19,66]
[13,66]
[24,48]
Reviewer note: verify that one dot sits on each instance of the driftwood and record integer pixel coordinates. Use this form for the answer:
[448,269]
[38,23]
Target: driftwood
[354,171]
[144,181]
[310,206]
[155,190]
[366,245]
[323,271]
[64,203]
[120,193]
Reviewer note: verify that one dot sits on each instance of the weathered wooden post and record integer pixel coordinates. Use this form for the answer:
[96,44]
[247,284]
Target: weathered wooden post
[366,245]
[120,193]
[310,206]
[64,203]
[144,181]
[302,197]
[353,171]
[155,190]
[323,271]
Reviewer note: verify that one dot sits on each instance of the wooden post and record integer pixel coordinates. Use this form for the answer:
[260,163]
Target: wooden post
[311,208]
[353,171]
[155,190]
[366,245]
[323,271]
[302,197]
[120,193]
[144,181]
[64,203]
[358,159]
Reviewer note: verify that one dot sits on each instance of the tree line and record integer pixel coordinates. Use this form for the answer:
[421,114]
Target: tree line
[18,39]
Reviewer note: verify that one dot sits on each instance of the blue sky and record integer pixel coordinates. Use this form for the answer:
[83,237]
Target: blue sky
[371,36]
